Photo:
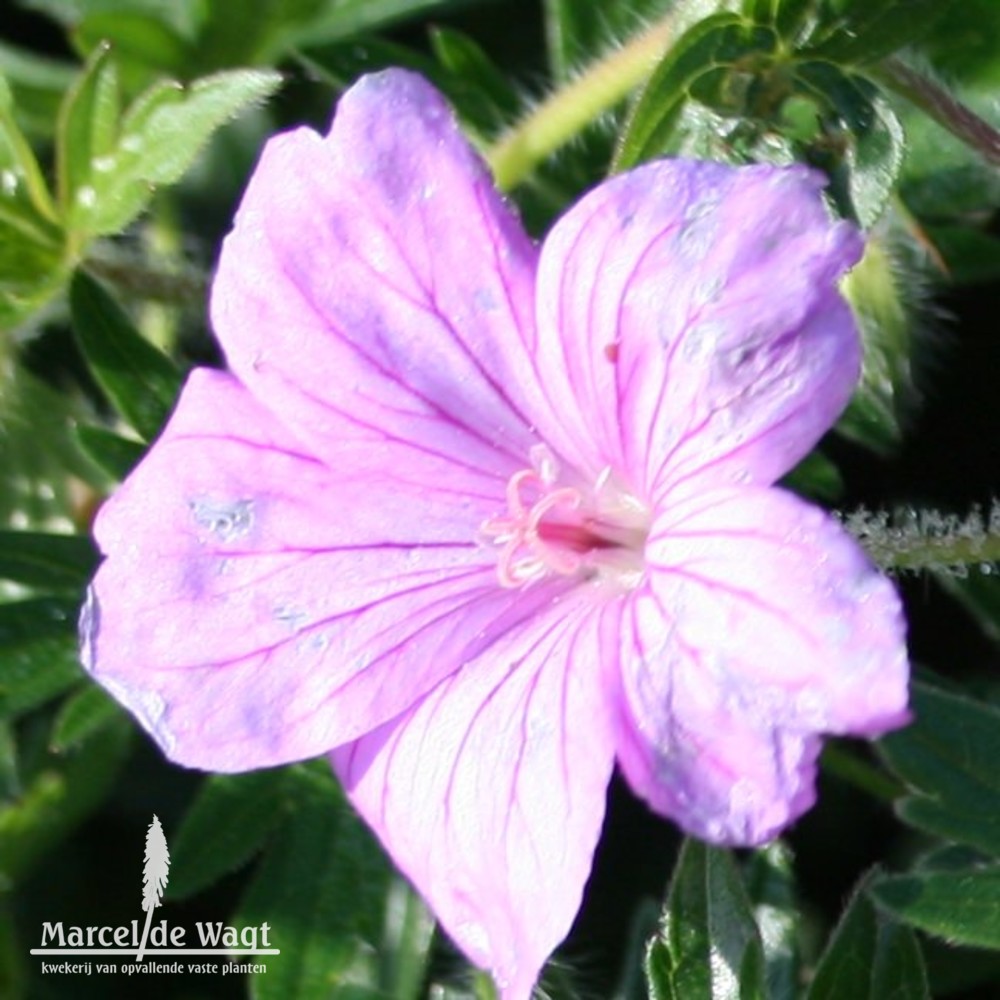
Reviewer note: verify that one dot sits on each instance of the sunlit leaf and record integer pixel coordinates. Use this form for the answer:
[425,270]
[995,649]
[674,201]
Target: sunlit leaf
[709,947]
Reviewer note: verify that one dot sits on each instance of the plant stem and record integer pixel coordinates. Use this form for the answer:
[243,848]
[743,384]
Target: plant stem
[139,279]
[858,772]
[928,540]
[935,101]
[567,111]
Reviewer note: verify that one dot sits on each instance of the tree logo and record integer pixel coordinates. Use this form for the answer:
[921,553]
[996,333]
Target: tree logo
[155,872]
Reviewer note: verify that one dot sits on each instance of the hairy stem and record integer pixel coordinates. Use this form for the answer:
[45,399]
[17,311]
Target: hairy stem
[935,101]
[914,540]
[567,111]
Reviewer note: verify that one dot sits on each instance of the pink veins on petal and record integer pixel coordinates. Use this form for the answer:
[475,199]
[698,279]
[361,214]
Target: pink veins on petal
[483,519]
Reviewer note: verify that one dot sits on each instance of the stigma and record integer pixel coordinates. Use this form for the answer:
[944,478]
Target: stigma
[554,528]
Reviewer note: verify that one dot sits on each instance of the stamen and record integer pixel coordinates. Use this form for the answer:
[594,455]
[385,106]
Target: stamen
[558,530]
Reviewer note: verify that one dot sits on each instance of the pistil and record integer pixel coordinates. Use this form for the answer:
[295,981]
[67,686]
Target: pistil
[563,530]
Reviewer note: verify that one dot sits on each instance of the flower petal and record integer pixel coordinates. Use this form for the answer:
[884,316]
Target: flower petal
[257,607]
[490,793]
[376,287]
[692,309]
[762,625]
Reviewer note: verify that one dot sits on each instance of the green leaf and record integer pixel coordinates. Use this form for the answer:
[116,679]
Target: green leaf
[963,44]
[869,958]
[31,241]
[885,394]
[709,945]
[571,32]
[63,792]
[943,180]
[81,716]
[88,124]
[144,45]
[349,18]
[225,826]
[37,84]
[863,145]
[322,887]
[55,562]
[487,96]
[979,594]
[160,136]
[815,477]
[37,453]
[114,454]
[182,15]
[949,756]
[142,382]
[962,907]
[38,657]
[770,880]
[700,56]
[868,30]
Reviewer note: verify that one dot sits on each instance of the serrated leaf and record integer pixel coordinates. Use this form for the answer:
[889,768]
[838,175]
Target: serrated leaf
[702,51]
[55,562]
[24,193]
[114,454]
[160,137]
[709,947]
[322,887]
[869,958]
[225,826]
[949,756]
[31,241]
[961,907]
[57,798]
[867,131]
[88,126]
[140,380]
[81,716]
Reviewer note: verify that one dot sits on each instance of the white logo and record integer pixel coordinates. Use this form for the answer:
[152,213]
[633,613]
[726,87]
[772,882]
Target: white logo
[154,876]
[156,940]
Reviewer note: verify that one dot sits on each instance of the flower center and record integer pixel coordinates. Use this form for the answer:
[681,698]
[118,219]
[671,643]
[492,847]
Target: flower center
[566,530]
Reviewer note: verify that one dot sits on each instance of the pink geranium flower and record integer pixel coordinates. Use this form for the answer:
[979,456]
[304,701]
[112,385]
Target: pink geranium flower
[481,519]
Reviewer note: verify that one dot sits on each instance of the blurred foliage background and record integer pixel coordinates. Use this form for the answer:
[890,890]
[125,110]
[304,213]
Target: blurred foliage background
[127,131]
